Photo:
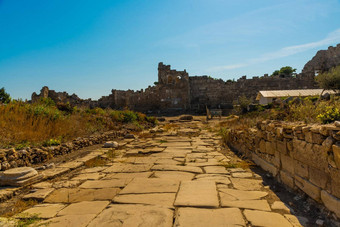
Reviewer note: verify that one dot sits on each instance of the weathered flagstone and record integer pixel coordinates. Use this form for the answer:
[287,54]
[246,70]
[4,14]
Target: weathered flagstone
[248,204]
[50,173]
[66,184]
[72,195]
[85,207]
[278,205]
[150,185]
[190,169]
[68,221]
[128,168]
[197,194]
[114,183]
[181,176]
[39,194]
[42,210]
[134,215]
[161,199]
[227,194]
[94,169]
[215,169]
[89,176]
[242,175]
[246,184]
[127,175]
[266,219]
[42,185]
[166,161]
[71,165]
[208,217]
[216,179]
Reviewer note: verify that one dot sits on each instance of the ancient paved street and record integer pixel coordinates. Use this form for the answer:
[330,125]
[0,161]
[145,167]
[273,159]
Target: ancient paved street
[178,178]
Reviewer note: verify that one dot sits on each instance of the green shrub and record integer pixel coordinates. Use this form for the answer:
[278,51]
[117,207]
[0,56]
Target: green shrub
[51,142]
[129,116]
[4,97]
[330,115]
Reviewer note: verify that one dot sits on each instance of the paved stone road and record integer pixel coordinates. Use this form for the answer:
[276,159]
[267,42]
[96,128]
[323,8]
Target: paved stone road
[174,179]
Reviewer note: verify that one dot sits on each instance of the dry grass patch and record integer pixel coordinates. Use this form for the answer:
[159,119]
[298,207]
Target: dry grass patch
[19,206]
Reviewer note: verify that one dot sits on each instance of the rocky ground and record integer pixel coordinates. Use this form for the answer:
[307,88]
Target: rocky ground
[179,177]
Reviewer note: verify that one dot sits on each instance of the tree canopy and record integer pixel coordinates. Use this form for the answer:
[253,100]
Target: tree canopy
[329,80]
[4,97]
[284,71]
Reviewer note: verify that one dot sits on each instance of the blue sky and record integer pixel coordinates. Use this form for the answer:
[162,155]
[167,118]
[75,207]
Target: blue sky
[89,47]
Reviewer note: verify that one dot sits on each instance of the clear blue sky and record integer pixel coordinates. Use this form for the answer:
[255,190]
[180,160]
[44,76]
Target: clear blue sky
[88,47]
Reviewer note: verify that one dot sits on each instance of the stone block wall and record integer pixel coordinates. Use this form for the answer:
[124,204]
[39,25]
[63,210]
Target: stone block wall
[303,157]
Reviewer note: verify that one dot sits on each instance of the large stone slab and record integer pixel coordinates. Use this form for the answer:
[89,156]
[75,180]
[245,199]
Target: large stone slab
[50,173]
[220,179]
[42,210]
[190,169]
[72,195]
[162,199]
[114,183]
[134,215]
[89,176]
[246,184]
[181,176]
[227,194]
[150,185]
[266,219]
[127,175]
[199,217]
[39,194]
[18,176]
[85,207]
[68,221]
[71,165]
[94,169]
[247,204]
[197,194]
[215,169]
[128,168]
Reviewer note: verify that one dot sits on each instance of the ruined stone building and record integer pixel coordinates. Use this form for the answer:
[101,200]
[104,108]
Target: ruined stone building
[177,92]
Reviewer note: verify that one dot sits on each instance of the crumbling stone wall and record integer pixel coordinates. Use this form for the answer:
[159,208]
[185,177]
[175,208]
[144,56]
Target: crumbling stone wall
[303,157]
[177,91]
[219,94]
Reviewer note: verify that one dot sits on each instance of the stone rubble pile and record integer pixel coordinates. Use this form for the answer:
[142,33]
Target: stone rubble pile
[12,158]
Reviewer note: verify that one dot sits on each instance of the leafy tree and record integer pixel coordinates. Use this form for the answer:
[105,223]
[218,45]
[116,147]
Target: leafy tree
[329,80]
[276,73]
[284,71]
[4,97]
[287,71]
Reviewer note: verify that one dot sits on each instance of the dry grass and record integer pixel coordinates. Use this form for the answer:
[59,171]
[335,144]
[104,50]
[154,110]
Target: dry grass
[23,124]
[19,206]
[170,126]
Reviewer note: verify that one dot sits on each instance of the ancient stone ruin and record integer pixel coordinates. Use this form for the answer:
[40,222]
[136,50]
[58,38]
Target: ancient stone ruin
[176,91]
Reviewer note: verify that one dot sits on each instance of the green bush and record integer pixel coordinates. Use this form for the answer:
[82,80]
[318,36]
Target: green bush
[51,142]
[330,115]
[129,116]
[4,97]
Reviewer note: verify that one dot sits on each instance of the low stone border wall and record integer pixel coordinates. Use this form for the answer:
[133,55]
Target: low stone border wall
[305,157]
[11,158]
